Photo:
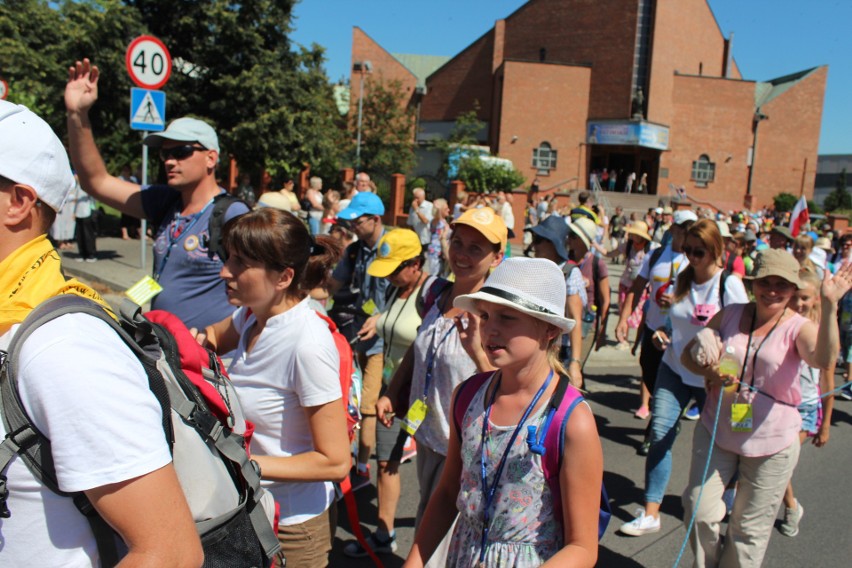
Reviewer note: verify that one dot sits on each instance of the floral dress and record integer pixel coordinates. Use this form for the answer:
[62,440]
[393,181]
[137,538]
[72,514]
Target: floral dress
[523,532]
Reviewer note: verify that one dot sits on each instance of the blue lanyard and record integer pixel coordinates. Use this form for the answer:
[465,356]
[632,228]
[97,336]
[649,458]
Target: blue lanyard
[488,493]
[430,356]
[173,239]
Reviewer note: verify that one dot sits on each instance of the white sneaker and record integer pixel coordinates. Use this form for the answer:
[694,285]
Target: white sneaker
[641,525]
[792,517]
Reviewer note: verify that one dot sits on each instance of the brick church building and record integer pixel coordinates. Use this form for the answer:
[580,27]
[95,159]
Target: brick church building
[567,87]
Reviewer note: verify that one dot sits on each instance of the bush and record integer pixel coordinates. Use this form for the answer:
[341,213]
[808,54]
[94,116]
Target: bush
[483,177]
[785,202]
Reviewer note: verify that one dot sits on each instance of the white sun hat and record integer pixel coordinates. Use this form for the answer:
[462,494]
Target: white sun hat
[534,286]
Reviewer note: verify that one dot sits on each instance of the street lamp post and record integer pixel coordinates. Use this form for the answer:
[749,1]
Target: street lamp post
[362,67]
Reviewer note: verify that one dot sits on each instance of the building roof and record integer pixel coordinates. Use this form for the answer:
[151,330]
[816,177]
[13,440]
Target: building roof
[421,66]
[765,91]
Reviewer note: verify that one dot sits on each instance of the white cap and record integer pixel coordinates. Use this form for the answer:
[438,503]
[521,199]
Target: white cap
[681,216]
[31,154]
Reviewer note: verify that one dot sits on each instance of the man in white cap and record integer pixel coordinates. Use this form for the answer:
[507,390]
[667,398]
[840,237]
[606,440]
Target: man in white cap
[80,385]
[184,263]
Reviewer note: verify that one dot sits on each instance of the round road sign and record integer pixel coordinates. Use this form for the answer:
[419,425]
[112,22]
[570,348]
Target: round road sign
[148,62]
[4,89]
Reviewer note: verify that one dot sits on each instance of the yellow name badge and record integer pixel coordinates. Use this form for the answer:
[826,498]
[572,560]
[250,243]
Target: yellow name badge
[369,307]
[144,290]
[415,417]
[741,417]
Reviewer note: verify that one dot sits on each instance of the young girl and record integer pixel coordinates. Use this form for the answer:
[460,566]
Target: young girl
[491,477]
[286,372]
[816,415]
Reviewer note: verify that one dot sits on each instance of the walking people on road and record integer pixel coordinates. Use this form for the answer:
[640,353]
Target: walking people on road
[286,372]
[756,398]
[446,351]
[180,211]
[513,516]
[701,290]
[82,387]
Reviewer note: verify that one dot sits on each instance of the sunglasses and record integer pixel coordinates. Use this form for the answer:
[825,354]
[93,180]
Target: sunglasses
[179,152]
[402,266]
[694,252]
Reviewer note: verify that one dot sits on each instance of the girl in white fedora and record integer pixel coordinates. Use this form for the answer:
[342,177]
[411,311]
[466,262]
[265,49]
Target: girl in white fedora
[519,311]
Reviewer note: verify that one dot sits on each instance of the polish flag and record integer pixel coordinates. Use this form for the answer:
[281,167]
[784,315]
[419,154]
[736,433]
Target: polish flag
[799,217]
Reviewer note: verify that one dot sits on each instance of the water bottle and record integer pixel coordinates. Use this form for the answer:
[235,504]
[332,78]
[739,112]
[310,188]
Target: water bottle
[729,364]
[589,316]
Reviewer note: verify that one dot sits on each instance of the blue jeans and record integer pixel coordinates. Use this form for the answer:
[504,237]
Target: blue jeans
[671,397]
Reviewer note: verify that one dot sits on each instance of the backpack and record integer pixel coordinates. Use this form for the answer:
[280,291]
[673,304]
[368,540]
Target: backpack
[350,378]
[202,421]
[565,398]
[434,287]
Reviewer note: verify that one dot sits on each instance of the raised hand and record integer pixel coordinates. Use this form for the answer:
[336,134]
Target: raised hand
[834,287]
[81,91]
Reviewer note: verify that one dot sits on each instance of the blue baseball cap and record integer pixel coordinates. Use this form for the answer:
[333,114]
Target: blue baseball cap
[364,203]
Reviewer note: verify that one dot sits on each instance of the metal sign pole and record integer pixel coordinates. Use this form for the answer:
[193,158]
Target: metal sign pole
[143,228]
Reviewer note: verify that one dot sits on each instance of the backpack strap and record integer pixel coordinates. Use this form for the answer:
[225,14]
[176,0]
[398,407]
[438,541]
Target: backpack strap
[722,279]
[434,287]
[221,204]
[655,257]
[562,404]
[464,396]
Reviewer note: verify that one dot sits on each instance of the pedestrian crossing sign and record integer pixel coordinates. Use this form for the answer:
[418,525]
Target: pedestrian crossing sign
[147,110]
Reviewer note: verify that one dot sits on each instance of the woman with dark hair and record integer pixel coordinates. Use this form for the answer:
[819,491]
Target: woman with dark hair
[286,372]
[700,292]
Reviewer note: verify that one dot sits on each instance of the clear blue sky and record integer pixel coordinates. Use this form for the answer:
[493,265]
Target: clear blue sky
[771,38]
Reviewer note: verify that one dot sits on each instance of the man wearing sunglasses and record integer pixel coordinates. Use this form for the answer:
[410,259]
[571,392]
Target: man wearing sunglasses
[184,264]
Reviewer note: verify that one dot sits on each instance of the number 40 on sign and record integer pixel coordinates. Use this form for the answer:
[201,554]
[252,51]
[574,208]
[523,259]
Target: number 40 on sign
[148,62]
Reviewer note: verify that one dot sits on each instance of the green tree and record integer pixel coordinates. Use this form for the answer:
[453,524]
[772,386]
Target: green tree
[481,176]
[387,128]
[839,198]
[785,202]
[273,106]
[40,39]
[465,132]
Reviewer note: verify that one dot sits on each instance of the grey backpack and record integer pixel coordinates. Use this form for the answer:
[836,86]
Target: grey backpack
[202,422]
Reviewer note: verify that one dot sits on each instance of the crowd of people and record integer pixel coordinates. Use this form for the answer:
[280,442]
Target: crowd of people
[731,312]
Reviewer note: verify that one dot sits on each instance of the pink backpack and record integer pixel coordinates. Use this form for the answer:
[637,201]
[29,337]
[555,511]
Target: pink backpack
[552,448]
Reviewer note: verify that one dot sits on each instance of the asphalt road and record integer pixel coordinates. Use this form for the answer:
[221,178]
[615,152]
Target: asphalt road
[824,540]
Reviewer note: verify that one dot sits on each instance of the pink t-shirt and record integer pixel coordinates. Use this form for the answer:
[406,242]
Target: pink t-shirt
[775,423]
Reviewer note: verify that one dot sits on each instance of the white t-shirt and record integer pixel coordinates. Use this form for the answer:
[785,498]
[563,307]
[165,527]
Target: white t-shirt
[85,390]
[666,269]
[293,364]
[420,227]
[685,319]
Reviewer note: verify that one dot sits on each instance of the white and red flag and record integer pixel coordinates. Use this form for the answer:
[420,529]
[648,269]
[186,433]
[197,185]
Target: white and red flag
[799,217]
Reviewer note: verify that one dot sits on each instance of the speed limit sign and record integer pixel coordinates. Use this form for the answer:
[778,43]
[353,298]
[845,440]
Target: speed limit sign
[148,62]
[4,89]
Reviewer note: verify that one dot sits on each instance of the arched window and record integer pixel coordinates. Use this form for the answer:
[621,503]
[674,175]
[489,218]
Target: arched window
[544,158]
[703,170]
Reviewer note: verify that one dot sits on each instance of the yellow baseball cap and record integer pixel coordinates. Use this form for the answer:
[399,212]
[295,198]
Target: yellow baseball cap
[394,248]
[486,222]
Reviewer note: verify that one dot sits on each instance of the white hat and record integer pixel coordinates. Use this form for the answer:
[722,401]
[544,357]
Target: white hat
[31,154]
[186,129]
[534,286]
[585,229]
[724,230]
[681,216]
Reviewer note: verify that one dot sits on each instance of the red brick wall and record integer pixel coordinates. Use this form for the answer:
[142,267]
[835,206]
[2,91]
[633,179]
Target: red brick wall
[385,67]
[460,83]
[542,102]
[688,40]
[600,32]
[790,136]
[710,116]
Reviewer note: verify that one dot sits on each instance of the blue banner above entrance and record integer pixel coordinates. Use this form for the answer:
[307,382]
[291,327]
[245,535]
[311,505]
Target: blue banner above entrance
[628,133]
